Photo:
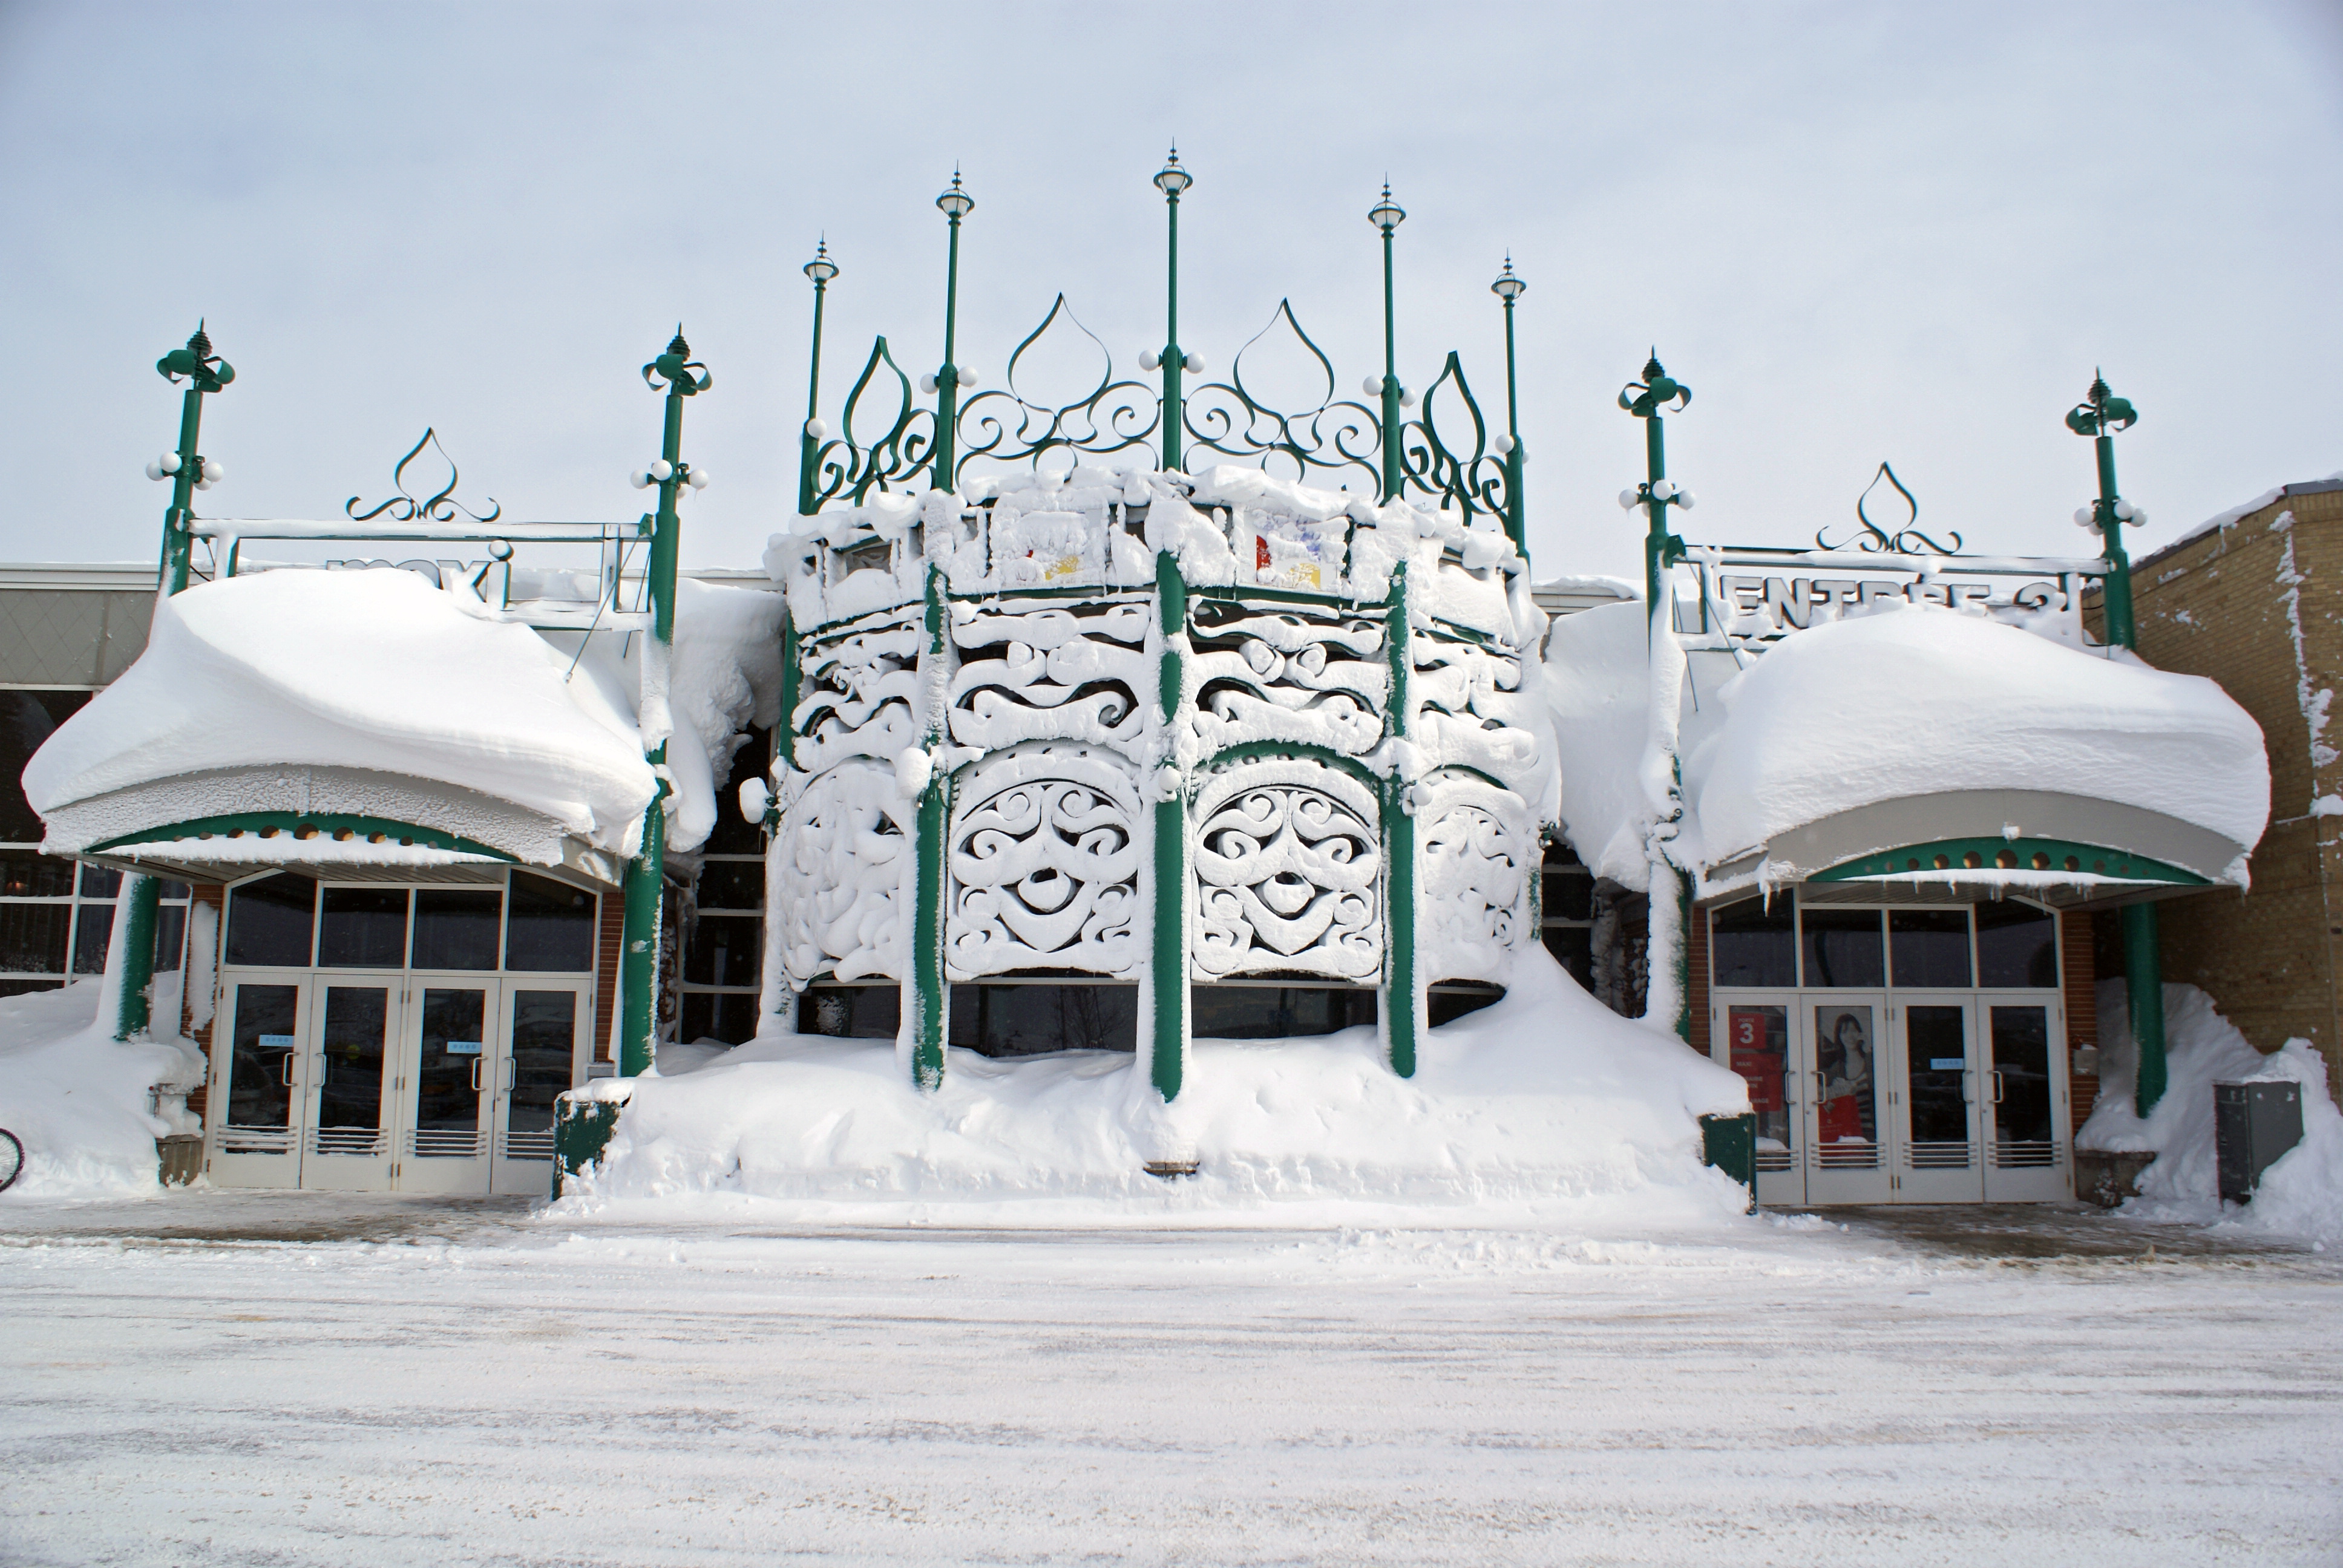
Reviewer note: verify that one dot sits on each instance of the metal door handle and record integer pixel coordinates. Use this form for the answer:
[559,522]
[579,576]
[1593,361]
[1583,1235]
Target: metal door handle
[287,1071]
[1996,1086]
[512,1074]
[475,1075]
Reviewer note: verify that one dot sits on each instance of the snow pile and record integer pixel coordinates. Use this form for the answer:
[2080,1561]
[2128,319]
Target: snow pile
[366,670]
[2301,1194]
[78,1100]
[1545,1101]
[379,672]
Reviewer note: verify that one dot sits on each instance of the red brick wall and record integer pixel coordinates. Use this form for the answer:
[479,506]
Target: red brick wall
[2079,978]
[1696,976]
[606,970]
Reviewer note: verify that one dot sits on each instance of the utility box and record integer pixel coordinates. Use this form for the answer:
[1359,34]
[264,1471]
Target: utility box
[2253,1125]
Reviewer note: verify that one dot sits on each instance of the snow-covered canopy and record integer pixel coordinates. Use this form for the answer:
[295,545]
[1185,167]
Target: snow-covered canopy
[375,693]
[1893,728]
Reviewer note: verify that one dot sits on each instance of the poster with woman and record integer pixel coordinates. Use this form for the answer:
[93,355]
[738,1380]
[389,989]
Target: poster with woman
[1848,1111]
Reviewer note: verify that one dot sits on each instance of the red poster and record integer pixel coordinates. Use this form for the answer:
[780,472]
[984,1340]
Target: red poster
[1259,553]
[1761,1067]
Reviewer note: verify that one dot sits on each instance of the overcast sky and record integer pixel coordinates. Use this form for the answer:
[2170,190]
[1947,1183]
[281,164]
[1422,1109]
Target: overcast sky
[1858,232]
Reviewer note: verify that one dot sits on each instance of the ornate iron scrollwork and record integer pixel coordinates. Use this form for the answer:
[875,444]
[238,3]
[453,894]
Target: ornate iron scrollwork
[1474,480]
[1906,540]
[846,466]
[441,507]
[1003,426]
[1337,435]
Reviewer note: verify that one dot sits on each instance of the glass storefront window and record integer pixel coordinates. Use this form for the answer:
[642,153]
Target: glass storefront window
[269,921]
[456,927]
[2017,946]
[550,925]
[362,928]
[1929,948]
[1753,944]
[1843,947]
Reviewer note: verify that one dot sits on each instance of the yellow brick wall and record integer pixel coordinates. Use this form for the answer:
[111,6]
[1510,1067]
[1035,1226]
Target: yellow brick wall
[2218,606]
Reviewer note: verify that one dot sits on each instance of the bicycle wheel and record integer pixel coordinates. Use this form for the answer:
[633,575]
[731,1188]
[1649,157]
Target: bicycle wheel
[11,1160]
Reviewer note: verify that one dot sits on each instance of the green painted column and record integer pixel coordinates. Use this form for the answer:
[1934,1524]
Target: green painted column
[1401,1008]
[1167,959]
[2098,417]
[137,905]
[1650,400]
[679,376]
[927,999]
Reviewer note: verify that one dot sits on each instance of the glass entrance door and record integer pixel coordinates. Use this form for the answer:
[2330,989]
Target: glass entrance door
[547,1024]
[257,1071]
[1934,1067]
[1846,1119]
[347,1145]
[447,1083]
[1756,1034]
[2024,1105]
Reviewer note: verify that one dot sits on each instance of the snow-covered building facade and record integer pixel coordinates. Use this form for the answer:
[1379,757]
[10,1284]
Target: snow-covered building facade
[1153,717]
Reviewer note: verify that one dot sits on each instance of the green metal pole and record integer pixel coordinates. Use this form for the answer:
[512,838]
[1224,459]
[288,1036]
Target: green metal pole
[928,998]
[2099,416]
[136,904]
[1393,444]
[957,204]
[1172,180]
[1663,549]
[1510,288]
[1168,977]
[1401,999]
[645,873]
[820,269]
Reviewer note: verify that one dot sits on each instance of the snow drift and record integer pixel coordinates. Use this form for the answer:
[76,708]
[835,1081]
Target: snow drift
[1545,1100]
[2301,1194]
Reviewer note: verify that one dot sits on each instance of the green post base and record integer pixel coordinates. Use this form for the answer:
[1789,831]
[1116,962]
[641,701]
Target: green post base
[1730,1143]
[2144,978]
[581,1130]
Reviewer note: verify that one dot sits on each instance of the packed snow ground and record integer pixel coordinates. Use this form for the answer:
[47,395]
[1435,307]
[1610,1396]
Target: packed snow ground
[522,1391]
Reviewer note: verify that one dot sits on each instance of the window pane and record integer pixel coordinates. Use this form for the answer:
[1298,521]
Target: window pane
[1752,945]
[1573,948]
[851,1011]
[723,950]
[99,882]
[2017,945]
[1758,1040]
[357,1024]
[33,938]
[170,937]
[1030,1020]
[1843,948]
[1277,1012]
[362,928]
[262,1038]
[26,719]
[543,1041]
[29,876]
[1569,895]
[551,926]
[1929,946]
[268,922]
[454,1045]
[2021,1067]
[1847,1108]
[1936,1045]
[93,929]
[728,1018]
[179,890]
[456,927]
[732,885]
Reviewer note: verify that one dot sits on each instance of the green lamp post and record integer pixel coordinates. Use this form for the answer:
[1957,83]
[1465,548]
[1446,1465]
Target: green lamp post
[1168,955]
[1510,288]
[1387,216]
[188,471]
[1651,400]
[955,204]
[2098,417]
[1172,180]
[677,375]
[820,269]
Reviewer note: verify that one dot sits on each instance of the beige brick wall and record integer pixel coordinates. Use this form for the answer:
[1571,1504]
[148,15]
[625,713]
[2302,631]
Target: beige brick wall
[2218,607]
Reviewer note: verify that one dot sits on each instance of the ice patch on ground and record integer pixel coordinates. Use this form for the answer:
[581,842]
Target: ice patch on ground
[2301,1194]
[1546,1104]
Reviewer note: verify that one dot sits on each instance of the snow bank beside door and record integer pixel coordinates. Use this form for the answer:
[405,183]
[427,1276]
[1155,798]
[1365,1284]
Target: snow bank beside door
[1544,1101]
[78,1100]
[2301,1194]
